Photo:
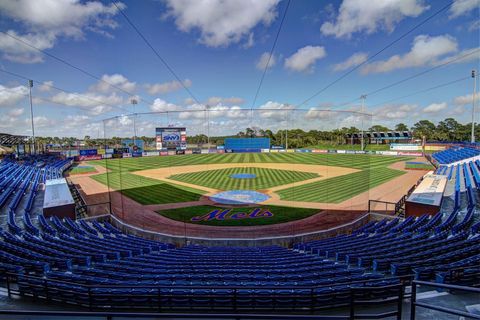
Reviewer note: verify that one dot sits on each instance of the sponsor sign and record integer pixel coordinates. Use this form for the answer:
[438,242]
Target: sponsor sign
[204,151]
[110,151]
[107,156]
[341,151]
[360,152]
[150,153]
[387,153]
[127,155]
[331,151]
[101,151]
[265,150]
[180,152]
[171,152]
[350,151]
[90,157]
[88,152]
[199,151]
[405,147]
[220,147]
[117,155]
[137,154]
[274,150]
[164,153]
[290,150]
[319,151]
[221,151]
[171,138]
[188,151]
[413,154]
[303,150]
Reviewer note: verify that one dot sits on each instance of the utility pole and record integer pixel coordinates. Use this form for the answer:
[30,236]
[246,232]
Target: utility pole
[363,97]
[30,85]
[134,102]
[286,131]
[207,108]
[474,76]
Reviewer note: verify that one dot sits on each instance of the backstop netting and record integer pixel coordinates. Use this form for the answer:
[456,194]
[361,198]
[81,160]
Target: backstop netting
[176,170]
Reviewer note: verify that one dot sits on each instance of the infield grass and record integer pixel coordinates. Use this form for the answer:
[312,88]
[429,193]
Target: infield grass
[221,179]
[280,214]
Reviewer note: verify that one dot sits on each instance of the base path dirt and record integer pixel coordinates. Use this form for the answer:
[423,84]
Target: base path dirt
[330,215]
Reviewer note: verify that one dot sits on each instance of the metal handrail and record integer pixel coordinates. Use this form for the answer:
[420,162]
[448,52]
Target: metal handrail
[414,303]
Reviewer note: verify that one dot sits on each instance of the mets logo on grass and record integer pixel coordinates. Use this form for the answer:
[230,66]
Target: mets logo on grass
[228,214]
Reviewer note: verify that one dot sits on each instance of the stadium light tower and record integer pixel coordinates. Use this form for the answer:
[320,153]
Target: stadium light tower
[207,110]
[474,76]
[134,102]
[30,85]
[363,97]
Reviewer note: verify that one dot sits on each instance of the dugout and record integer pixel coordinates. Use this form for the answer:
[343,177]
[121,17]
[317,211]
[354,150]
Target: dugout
[58,200]
[246,144]
[427,196]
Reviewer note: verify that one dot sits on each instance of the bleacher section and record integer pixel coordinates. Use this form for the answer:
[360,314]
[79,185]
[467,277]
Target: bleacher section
[92,264]
[455,154]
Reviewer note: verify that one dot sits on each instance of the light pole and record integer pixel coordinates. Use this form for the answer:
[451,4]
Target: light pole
[363,97]
[134,102]
[207,108]
[30,85]
[474,76]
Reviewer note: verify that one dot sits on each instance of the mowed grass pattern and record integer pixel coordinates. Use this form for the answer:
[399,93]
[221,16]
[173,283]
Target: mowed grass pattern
[151,191]
[356,161]
[341,188]
[148,191]
[265,178]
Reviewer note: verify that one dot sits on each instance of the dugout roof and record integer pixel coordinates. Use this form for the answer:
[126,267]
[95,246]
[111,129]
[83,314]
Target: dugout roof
[11,140]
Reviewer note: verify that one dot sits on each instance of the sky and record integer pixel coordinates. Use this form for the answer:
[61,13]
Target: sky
[87,62]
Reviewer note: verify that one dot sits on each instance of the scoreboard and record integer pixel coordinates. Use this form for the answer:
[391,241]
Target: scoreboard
[171,138]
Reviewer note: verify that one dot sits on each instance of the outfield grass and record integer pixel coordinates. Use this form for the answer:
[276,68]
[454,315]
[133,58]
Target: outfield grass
[341,188]
[280,214]
[148,191]
[265,178]
[356,161]
[81,170]
[373,168]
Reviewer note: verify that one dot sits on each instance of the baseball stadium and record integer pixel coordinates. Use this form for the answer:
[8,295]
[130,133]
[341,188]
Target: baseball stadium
[163,197]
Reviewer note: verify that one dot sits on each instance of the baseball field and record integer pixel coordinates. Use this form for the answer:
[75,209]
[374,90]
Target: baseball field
[298,184]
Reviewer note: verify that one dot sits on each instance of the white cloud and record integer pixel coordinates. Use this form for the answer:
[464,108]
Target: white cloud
[166,87]
[16,112]
[116,80]
[47,20]
[160,105]
[96,104]
[358,16]
[353,61]
[262,62]
[221,23]
[461,7]
[10,96]
[45,86]
[304,59]
[435,107]
[394,111]
[425,51]
[275,110]
[315,113]
[466,99]
[227,101]
[463,56]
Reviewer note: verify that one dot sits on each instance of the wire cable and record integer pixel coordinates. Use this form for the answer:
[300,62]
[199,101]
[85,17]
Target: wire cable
[270,55]
[69,64]
[63,90]
[170,69]
[370,58]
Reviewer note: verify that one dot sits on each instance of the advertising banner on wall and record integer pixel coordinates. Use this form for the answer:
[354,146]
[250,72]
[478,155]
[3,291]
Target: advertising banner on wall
[150,153]
[92,157]
[88,152]
[405,147]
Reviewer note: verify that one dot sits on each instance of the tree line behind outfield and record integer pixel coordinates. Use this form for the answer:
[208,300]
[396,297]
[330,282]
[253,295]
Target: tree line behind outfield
[445,130]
